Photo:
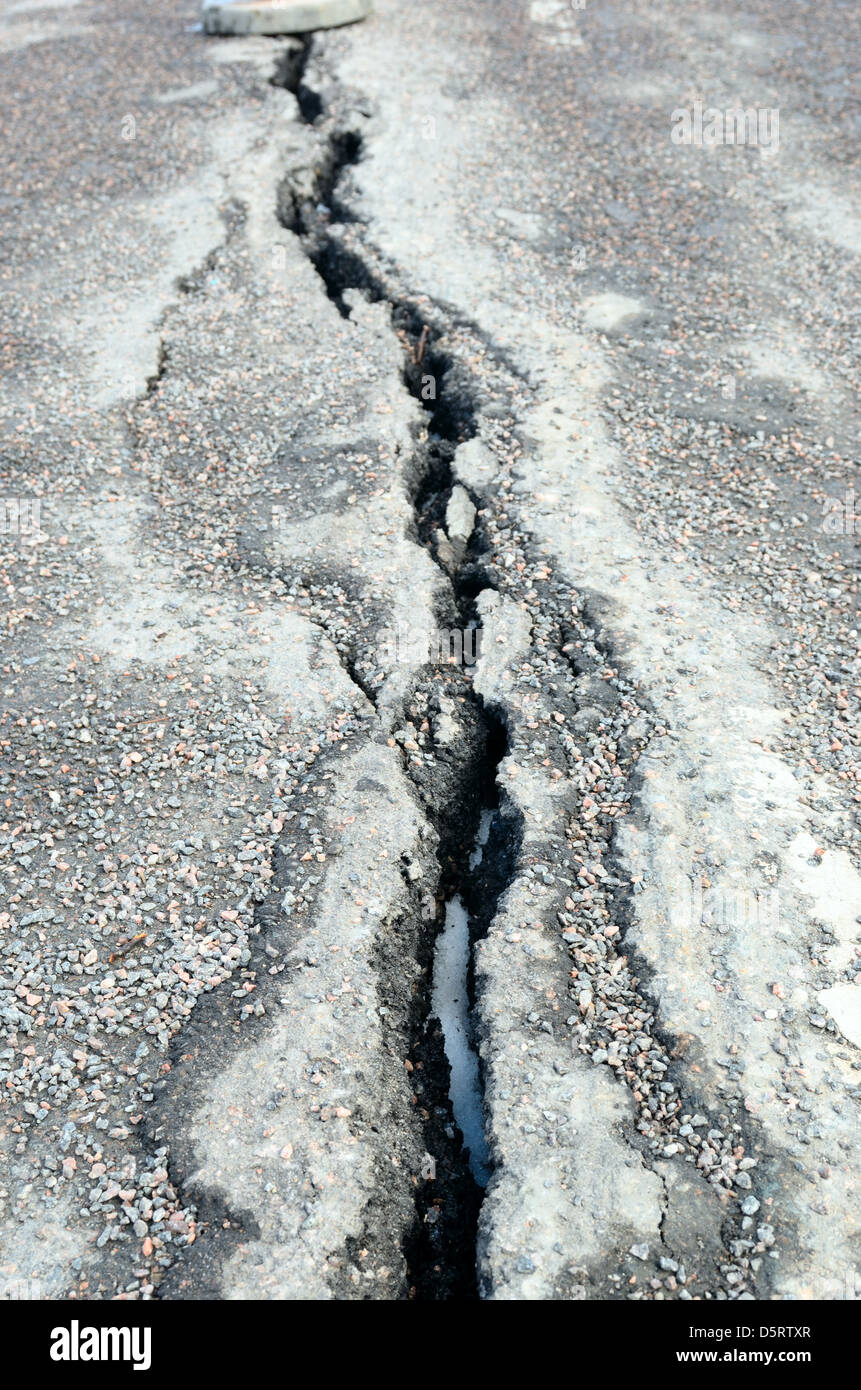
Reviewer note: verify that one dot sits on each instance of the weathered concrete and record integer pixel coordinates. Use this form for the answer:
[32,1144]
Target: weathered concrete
[290,376]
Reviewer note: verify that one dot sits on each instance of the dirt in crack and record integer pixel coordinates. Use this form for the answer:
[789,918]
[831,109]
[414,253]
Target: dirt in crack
[464,741]
[478,838]
[457,787]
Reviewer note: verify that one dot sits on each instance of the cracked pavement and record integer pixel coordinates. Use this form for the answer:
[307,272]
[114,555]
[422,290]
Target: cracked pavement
[427,325]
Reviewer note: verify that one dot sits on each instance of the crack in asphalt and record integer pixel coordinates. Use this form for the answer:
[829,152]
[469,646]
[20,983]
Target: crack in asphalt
[441,1247]
[439,1244]
[314,208]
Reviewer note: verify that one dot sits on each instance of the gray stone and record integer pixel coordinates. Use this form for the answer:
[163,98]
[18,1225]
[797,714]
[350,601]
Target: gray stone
[280,16]
[459,516]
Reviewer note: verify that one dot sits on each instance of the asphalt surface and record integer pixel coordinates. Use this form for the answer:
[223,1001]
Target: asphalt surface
[429,324]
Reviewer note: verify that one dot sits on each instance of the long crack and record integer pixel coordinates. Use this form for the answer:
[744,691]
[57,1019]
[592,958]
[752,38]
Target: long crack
[614,1021]
[669,1124]
[440,1248]
[445,1235]
[436,380]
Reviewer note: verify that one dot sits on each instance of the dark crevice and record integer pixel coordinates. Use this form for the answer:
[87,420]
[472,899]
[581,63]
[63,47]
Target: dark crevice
[349,663]
[310,211]
[341,270]
[461,784]
[454,782]
[440,1248]
[290,73]
[451,419]
[309,204]
[154,380]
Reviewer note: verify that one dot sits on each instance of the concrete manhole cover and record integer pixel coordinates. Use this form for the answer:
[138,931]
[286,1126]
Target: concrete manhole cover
[280,16]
